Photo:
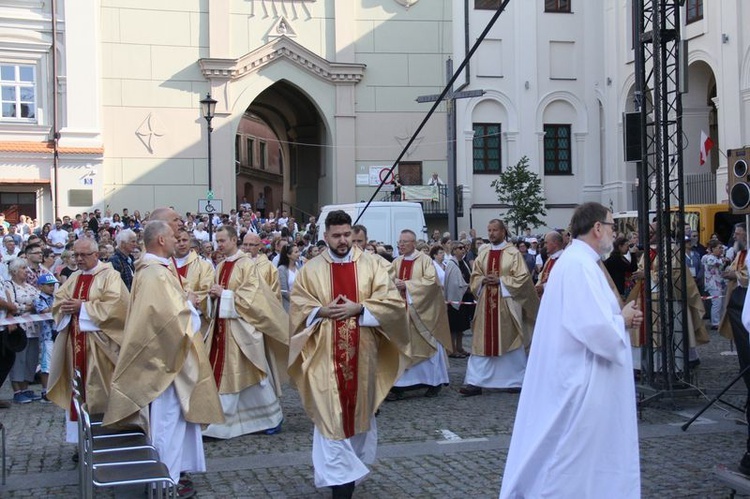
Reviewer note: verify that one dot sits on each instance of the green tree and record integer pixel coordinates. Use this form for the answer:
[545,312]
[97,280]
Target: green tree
[521,190]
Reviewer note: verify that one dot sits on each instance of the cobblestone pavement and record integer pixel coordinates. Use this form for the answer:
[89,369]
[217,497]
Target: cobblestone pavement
[444,447]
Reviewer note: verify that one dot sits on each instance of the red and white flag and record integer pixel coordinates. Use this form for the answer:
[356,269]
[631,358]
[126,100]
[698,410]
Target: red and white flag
[706,145]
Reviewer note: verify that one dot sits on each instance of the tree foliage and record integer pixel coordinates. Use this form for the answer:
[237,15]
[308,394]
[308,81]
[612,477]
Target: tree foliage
[521,190]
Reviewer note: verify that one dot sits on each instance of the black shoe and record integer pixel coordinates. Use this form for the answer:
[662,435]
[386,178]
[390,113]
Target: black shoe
[694,363]
[75,456]
[470,391]
[394,394]
[344,491]
[433,391]
[744,466]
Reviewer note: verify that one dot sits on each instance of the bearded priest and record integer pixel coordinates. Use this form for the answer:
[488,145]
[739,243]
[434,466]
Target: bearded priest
[349,330]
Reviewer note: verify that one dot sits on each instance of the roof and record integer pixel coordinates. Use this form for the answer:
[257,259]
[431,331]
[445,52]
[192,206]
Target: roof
[46,147]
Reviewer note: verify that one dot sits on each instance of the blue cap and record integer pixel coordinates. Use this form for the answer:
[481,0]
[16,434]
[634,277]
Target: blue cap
[46,279]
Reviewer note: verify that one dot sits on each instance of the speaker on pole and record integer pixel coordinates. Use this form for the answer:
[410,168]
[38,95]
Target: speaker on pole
[738,164]
[631,129]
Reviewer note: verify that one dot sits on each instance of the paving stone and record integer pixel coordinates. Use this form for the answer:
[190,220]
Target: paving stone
[674,464]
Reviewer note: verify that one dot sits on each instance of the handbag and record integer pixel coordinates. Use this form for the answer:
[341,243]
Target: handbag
[14,340]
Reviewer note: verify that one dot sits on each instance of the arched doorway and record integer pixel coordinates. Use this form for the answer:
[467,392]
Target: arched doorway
[280,142]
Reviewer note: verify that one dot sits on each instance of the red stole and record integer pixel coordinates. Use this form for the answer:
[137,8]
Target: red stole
[491,326]
[740,260]
[547,269]
[346,344]
[219,340]
[404,273]
[78,338]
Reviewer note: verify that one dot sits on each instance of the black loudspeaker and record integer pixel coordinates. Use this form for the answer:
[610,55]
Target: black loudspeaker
[738,166]
[631,129]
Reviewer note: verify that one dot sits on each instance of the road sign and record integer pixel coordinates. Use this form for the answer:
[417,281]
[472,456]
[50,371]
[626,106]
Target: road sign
[209,195]
[210,206]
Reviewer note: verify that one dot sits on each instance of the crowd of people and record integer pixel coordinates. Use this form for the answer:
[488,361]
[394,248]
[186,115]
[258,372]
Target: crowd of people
[245,294]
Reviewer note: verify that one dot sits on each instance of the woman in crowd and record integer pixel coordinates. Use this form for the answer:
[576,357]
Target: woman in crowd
[116,222]
[455,290]
[396,195]
[22,295]
[49,260]
[621,264]
[288,261]
[45,231]
[438,258]
[715,285]
[137,218]
[69,266]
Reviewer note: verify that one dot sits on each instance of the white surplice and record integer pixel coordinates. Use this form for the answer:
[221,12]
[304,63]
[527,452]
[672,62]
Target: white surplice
[576,432]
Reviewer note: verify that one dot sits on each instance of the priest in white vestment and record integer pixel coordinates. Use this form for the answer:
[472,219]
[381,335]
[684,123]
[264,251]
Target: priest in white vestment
[576,433]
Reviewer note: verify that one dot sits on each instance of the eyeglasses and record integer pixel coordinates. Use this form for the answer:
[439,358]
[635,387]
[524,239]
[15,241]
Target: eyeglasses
[607,223]
[83,255]
[405,242]
[34,253]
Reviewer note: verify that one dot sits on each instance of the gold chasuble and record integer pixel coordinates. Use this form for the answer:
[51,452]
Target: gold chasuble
[342,370]
[697,333]
[268,272]
[159,349]
[737,265]
[502,324]
[247,349]
[427,314]
[93,353]
[196,276]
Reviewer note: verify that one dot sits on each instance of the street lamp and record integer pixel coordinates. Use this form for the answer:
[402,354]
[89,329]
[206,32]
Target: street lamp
[208,106]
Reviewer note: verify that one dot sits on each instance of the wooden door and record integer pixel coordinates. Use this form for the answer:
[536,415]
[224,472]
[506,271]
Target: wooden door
[410,172]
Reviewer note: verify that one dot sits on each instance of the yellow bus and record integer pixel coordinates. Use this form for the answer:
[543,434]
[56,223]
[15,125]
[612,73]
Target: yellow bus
[706,219]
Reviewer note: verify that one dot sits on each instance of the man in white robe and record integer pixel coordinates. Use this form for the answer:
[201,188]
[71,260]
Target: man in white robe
[576,432]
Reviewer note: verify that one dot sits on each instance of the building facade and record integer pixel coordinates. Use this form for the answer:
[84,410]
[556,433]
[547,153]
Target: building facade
[558,75]
[315,97]
[334,83]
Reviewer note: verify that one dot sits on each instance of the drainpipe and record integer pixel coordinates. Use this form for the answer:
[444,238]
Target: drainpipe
[55,132]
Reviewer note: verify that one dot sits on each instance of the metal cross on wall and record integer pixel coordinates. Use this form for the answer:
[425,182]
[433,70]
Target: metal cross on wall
[449,100]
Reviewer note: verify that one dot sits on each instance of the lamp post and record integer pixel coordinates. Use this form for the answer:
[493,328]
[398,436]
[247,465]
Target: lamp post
[208,106]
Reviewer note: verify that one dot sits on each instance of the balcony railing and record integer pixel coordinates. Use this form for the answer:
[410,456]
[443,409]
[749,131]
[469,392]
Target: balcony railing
[434,207]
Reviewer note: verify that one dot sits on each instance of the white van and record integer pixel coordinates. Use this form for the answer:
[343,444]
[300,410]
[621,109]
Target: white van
[384,219]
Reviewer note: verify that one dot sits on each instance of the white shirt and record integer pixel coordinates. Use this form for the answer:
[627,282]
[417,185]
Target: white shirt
[200,235]
[7,257]
[56,237]
[576,415]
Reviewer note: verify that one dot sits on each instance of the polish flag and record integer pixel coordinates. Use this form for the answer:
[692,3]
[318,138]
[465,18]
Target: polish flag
[706,145]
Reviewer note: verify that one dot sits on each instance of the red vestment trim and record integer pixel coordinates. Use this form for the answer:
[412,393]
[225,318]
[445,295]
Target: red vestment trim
[181,271]
[547,269]
[78,338]
[492,297]
[741,260]
[346,344]
[404,273]
[219,340]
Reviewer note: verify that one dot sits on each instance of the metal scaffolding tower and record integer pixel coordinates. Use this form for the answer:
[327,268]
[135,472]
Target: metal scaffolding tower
[665,369]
